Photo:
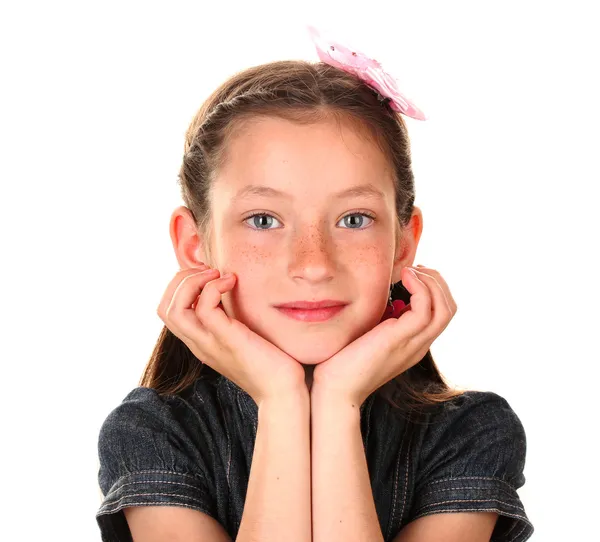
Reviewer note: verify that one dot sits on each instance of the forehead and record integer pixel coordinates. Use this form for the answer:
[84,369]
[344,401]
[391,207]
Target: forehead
[325,156]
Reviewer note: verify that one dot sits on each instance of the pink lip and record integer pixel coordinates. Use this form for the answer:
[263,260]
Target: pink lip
[311,315]
[324,303]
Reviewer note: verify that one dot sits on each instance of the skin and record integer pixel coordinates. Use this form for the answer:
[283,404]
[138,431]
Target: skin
[306,249]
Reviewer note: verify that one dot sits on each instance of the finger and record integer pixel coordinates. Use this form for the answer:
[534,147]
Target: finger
[190,288]
[179,316]
[419,315]
[442,313]
[443,285]
[172,287]
[447,293]
[189,322]
[207,308]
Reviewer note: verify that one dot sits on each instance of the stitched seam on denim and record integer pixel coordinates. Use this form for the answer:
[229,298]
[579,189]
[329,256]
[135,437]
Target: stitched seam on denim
[129,496]
[469,487]
[472,500]
[229,385]
[150,503]
[498,511]
[412,434]
[219,399]
[470,478]
[153,471]
[229,453]
[160,482]
[511,529]
[394,492]
[406,480]
[516,538]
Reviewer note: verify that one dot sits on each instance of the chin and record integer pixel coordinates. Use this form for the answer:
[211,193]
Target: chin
[310,360]
[310,354]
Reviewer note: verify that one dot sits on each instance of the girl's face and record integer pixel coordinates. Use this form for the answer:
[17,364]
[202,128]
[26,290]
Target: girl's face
[312,242]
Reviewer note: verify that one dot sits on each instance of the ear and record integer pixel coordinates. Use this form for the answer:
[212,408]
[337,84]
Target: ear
[188,245]
[408,242]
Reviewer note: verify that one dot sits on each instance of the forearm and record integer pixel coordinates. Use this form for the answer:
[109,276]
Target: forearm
[277,505]
[342,498]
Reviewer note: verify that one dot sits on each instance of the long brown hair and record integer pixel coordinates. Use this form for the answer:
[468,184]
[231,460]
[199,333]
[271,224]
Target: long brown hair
[305,93]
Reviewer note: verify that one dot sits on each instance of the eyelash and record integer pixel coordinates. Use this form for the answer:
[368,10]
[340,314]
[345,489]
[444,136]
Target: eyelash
[363,213]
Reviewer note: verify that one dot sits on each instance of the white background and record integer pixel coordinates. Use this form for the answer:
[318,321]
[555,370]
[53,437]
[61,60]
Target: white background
[95,100]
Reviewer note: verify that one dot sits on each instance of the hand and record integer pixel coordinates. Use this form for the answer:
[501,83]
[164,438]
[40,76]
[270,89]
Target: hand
[190,309]
[391,347]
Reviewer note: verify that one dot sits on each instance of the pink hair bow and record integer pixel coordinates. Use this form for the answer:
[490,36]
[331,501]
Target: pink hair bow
[366,69]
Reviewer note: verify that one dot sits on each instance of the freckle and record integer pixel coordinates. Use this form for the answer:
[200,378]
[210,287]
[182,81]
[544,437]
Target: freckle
[352,406]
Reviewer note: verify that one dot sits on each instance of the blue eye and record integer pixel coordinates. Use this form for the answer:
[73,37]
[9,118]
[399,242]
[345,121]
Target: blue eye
[264,220]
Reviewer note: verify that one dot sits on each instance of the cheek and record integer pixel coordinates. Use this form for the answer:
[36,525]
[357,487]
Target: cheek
[240,256]
[374,283]
[373,268]
[373,260]
[377,296]
[246,301]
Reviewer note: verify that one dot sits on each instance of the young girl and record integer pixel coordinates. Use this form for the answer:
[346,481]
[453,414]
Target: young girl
[262,418]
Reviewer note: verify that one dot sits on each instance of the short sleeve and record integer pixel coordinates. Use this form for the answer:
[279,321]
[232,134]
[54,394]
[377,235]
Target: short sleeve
[473,457]
[146,459]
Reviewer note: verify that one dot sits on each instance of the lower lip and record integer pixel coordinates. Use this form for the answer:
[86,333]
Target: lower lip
[312,315]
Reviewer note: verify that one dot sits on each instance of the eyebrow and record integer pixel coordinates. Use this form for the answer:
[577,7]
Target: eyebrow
[362,190]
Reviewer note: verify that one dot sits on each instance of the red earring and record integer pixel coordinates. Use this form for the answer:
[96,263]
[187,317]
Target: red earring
[394,307]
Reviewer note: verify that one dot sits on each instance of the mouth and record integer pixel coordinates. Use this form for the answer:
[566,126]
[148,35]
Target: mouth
[311,315]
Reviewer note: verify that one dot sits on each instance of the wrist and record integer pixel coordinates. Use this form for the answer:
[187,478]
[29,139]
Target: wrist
[297,399]
[331,402]
[322,392]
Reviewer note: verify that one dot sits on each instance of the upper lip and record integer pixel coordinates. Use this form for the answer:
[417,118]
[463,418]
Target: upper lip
[312,304]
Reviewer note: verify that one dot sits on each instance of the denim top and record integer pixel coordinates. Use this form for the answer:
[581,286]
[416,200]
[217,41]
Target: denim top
[194,449]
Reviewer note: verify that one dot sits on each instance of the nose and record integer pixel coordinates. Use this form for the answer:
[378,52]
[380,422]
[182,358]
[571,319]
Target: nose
[312,255]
